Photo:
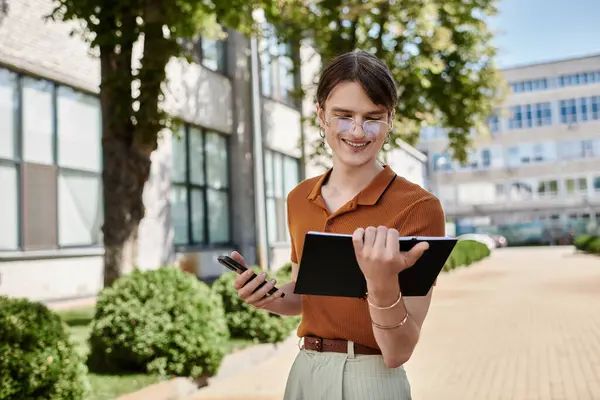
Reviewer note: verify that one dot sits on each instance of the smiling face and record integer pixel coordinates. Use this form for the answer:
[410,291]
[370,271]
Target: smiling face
[352,144]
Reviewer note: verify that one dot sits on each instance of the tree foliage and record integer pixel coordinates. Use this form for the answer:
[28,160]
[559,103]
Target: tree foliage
[439,51]
[135,40]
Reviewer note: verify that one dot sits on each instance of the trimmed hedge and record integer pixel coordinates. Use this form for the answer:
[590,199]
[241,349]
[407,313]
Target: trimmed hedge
[163,321]
[37,359]
[465,253]
[247,322]
[588,244]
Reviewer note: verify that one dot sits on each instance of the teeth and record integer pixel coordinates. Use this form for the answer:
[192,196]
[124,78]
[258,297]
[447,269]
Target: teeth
[356,144]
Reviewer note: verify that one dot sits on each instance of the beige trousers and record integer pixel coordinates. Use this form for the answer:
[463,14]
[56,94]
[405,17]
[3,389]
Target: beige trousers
[338,376]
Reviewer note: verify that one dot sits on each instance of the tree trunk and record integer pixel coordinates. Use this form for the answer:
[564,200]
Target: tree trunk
[383,19]
[125,173]
[126,166]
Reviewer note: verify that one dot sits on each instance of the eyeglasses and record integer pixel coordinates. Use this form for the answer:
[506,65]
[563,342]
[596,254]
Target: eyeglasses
[371,128]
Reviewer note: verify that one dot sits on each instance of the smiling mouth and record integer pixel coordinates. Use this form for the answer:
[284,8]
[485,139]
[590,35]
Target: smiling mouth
[355,144]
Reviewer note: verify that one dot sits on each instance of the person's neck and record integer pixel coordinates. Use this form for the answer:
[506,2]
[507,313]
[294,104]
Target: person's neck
[353,179]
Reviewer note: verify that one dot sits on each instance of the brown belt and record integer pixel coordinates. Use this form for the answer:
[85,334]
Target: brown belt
[336,346]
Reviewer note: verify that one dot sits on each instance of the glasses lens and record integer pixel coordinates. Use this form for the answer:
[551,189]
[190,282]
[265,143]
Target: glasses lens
[374,128]
[343,125]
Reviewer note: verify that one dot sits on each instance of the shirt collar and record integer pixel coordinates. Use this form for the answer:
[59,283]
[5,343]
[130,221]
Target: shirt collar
[370,195]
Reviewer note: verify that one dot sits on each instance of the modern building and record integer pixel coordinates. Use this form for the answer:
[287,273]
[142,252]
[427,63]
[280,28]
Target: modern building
[538,173]
[218,184]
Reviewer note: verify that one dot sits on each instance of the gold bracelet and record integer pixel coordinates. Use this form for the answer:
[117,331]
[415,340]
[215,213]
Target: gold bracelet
[398,300]
[387,327]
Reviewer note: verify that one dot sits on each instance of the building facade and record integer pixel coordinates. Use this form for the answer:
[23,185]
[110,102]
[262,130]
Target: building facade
[540,167]
[218,184]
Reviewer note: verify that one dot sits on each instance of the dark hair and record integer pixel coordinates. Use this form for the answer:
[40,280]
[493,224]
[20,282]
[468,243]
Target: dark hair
[363,68]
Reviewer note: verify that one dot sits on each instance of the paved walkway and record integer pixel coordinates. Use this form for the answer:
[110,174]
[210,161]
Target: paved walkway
[521,325]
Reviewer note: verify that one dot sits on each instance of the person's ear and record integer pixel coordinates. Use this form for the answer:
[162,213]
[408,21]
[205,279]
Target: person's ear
[321,116]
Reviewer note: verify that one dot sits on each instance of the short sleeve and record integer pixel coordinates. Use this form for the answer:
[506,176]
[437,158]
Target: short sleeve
[294,255]
[425,218]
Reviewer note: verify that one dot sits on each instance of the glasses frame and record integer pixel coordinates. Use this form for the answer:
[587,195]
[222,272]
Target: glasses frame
[362,125]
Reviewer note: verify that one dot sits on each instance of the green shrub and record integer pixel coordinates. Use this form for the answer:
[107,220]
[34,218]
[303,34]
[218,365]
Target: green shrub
[163,321]
[247,322]
[284,274]
[465,253]
[583,242]
[593,246]
[37,359]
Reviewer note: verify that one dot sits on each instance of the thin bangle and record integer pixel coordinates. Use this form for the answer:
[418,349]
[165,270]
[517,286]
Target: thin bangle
[387,327]
[398,300]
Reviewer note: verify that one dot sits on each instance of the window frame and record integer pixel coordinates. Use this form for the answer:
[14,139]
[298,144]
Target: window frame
[280,225]
[194,49]
[189,186]
[275,66]
[19,163]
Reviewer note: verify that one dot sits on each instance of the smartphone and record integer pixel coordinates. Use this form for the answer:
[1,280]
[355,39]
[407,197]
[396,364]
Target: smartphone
[238,268]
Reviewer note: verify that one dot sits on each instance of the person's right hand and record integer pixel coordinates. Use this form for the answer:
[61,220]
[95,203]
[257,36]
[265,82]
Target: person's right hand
[245,290]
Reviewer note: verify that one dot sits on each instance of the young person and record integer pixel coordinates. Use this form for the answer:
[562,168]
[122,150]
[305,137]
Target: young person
[355,349]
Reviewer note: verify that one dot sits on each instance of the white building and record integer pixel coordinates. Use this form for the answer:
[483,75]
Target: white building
[542,161]
[221,187]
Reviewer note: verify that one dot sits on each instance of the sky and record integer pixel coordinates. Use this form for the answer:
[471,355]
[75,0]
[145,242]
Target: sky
[530,31]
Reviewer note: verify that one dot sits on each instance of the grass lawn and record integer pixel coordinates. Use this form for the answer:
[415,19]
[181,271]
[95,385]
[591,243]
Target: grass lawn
[109,387]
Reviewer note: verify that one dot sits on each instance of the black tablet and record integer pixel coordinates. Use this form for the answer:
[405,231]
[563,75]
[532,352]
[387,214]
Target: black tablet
[329,268]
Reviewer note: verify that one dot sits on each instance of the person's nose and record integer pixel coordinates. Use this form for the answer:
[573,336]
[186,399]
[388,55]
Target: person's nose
[358,132]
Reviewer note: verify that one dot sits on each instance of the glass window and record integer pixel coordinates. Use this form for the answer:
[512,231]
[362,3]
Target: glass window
[9,238]
[583,109]
[570,186]
[547,188]
[79,209]
[213,54]
[56,175]
[513,156]
[179,156]
[269,174]
[291,175]
[528,116]
[8,104]
[79,130]
[206,219]
[576,185]
[595,107]
[272,220]
[265,74]
[39,205]
[197,215]
[521,190]
[516,120]
[218,224]
[179,214]
[196,154]
[278,80]
[285,171]
[38,118]
[216,161]
[597,184]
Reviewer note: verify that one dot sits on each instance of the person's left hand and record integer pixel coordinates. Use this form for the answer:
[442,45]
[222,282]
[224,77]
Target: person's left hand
[378,253]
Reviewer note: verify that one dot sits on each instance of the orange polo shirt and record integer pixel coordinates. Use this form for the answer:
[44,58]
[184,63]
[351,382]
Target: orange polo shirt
[388,200]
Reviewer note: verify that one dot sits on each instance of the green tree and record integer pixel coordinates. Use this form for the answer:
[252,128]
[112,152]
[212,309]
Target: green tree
[131,94]
[439,51]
